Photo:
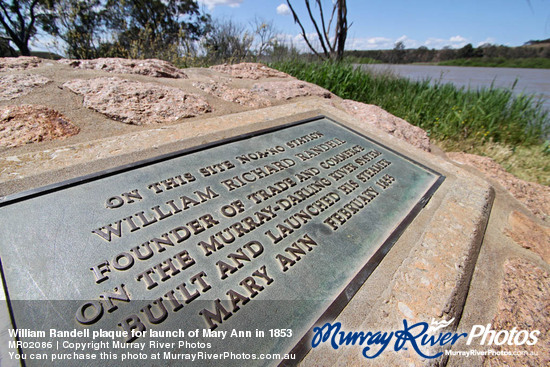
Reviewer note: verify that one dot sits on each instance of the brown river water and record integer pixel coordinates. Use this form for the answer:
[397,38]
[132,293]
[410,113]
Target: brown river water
[527,81]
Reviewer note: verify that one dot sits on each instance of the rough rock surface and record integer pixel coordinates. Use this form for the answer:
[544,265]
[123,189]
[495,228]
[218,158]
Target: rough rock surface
[26,124]
[249,70]
[534,196]
[137,103]
[150,67]
[387,122]
[13,86]
[241,96]
[529,234]
[524,304]
[19,63]
[430,283]
[285,90]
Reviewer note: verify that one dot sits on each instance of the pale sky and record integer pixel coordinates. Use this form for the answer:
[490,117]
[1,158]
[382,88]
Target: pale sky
[379,24]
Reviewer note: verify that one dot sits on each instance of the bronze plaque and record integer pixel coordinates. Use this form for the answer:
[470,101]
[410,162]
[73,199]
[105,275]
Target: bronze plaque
[207,255]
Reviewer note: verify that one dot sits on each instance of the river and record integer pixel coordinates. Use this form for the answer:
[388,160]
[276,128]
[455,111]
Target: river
[529,81]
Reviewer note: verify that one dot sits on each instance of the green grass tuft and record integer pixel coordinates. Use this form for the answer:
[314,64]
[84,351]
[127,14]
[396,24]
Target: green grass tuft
[449,114]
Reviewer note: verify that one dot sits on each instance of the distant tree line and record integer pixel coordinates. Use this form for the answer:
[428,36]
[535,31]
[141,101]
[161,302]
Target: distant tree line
[179,31]
[400,55]
[173,30]
[95,28]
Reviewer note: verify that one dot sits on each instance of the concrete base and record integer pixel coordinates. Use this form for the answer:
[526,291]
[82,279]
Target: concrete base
[427,273]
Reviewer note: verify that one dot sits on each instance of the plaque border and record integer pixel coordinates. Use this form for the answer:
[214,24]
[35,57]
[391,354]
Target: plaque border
[335,308]
[65,184]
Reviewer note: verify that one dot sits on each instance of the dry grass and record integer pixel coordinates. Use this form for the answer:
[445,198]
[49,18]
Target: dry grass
[530,163]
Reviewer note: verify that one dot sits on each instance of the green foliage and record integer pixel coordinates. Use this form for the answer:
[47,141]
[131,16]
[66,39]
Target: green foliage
[360,60]
[282,52]
[164,29]
[492,122]
[155,28]
[469,51]
[173,30]
[530,163]
[443,110]
[536,42]
[5,48]
[79,24]
[227,41]
[19,19]
[265,37]
[483,55]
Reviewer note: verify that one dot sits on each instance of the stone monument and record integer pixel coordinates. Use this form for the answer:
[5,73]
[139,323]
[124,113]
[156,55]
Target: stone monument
[217,215]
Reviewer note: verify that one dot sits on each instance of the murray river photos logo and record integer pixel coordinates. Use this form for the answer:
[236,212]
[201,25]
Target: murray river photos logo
[418,336]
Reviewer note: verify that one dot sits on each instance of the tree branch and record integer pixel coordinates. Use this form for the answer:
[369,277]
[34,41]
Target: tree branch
[342,27]
[33,19]
[5,11]
[297,20]
[21,26]
[326,31]
[319,34]
[6,25]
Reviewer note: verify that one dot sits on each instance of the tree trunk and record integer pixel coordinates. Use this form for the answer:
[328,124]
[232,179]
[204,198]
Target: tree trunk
[23,47]
[330,48]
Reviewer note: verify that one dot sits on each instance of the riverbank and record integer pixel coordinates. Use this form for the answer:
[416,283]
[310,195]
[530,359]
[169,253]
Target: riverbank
[500,62]
[490,62]
[492,122]
[519,81]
